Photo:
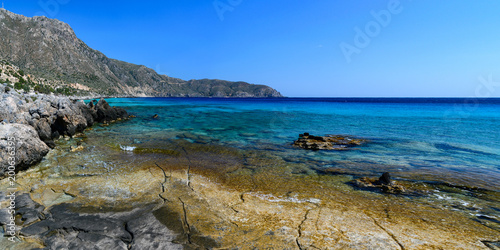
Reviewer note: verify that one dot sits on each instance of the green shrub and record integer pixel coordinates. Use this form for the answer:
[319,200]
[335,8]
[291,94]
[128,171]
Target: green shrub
[42,89]
[21,80]
[18,85]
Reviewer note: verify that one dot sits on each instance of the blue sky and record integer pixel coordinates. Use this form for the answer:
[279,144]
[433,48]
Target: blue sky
[322,48]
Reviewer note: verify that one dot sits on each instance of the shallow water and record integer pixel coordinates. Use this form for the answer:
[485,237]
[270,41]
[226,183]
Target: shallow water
[449,148]
[409,135]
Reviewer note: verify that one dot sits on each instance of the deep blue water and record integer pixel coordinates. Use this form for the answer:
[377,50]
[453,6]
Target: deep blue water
[456,134]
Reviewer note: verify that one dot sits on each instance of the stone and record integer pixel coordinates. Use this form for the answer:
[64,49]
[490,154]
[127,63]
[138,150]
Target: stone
[329,142]
[137,229]
[44,130]
[28,147]
[76,148]
[107,113]
[149,233]
[88,112]
[385,178]
[383,183]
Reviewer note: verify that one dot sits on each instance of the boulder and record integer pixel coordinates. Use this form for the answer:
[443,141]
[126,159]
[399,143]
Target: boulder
[43,129]
[68,122]
[106,113]
[328,142]
[26,144]
[88,112]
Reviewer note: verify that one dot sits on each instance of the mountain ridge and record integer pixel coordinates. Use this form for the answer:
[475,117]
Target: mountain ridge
[49,48]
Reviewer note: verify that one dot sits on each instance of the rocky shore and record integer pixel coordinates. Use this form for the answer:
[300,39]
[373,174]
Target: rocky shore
[162,191]
[177,199]
[30,122]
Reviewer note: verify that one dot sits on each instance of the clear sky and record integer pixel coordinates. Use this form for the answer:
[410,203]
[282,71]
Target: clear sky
[321,48]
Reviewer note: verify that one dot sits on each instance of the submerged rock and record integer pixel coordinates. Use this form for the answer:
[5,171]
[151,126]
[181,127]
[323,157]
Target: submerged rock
[383,183]
[329,142]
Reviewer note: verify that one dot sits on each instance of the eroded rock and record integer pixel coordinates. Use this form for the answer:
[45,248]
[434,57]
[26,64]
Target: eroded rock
[329,142]
[20,141]
[383,183]
[107,113]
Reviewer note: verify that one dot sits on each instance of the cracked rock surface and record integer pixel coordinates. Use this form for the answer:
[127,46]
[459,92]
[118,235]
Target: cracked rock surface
[204,197]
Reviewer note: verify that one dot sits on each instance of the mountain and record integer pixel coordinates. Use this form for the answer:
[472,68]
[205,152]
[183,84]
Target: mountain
[49,48]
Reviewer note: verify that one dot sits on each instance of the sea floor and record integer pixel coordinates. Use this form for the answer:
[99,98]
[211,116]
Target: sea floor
[216,196]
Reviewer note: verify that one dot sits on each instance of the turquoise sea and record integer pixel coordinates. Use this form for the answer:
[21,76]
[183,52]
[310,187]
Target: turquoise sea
[444,134]
[452,145]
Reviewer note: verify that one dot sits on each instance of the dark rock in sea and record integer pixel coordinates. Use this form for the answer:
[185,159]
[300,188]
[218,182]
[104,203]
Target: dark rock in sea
[329,142]
[383,183]
[26,144]
[107,113]
[385,178]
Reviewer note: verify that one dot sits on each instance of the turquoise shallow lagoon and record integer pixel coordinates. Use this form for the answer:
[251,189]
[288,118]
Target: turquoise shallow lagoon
[436,135]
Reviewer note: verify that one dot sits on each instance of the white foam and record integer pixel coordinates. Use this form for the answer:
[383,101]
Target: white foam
[127,148]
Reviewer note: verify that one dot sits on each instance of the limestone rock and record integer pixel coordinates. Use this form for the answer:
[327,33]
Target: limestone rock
[329,142]
[107,113]
[28,148]
[384,183]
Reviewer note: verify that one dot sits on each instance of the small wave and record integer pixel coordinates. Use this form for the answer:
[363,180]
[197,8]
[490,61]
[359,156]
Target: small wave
[127,148]
[448,147]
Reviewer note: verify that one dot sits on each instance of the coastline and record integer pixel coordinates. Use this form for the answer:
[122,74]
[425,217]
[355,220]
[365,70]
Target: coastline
[34,121]
[203,195]
[247,201]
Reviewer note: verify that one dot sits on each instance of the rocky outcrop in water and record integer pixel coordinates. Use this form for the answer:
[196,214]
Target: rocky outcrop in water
[329,142]
[34,120]
[383,183]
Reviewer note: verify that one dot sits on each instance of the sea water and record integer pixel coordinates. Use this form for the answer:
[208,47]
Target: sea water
[461,135]
[446,150]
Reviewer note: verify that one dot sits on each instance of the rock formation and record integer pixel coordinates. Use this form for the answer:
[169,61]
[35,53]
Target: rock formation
[22,143]
[383,183]
[35,120]
[329,142]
